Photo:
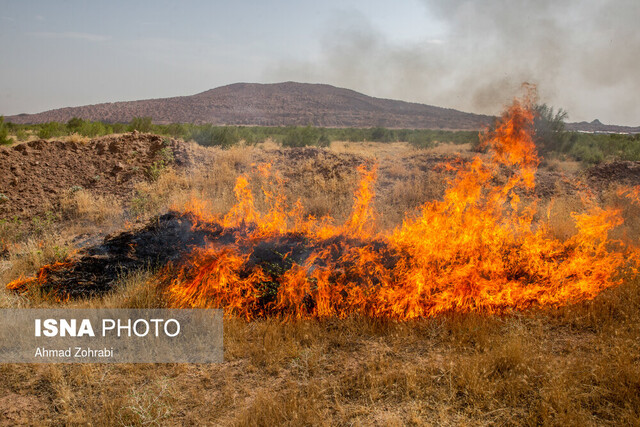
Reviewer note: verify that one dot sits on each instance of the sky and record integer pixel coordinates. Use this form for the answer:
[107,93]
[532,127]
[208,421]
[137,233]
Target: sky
[471,55]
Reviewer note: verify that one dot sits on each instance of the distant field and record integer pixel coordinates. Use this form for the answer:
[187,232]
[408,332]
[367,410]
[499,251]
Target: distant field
[226,136]
[584,147]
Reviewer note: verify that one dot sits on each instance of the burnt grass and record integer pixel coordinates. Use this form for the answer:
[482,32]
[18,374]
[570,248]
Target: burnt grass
[170,239]
[95,270]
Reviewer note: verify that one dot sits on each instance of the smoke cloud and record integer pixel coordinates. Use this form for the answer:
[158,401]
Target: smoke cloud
[582,55]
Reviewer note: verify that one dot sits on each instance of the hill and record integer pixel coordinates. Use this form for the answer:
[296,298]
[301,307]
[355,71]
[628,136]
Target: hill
[276,104]
[596,126]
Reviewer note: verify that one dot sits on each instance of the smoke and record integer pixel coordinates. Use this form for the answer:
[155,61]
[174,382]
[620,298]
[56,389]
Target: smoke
[583,56]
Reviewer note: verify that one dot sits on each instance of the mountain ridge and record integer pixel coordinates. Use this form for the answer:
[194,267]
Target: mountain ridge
[285,104]
[274,104]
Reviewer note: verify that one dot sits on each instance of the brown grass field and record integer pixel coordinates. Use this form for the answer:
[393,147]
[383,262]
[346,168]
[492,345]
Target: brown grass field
[575,365]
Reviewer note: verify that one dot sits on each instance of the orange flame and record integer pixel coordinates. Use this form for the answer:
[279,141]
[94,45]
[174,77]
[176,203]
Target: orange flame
[476,250]
[22,284]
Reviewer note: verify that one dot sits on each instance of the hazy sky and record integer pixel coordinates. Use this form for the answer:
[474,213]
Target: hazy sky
[584,55]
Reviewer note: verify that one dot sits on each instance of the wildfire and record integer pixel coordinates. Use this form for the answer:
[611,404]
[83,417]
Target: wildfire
[478,249]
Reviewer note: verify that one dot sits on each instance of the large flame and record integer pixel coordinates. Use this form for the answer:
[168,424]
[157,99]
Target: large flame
[476,250]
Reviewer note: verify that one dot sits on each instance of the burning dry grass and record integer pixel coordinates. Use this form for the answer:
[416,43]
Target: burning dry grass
[482,246]
[478,249]
[578,364]
[32,254]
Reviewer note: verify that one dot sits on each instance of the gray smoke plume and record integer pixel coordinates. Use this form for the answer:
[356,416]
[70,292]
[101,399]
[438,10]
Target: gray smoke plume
[584,56]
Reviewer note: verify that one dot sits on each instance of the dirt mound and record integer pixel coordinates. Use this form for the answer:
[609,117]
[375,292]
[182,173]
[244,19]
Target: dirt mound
[35,175]
[619,172]
[322,162]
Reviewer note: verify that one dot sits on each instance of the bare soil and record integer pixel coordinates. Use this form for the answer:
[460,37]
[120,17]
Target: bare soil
[36,174]
[619,172]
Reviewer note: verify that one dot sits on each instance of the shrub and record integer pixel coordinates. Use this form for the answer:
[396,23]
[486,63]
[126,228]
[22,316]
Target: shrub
[51,130]
[254,135]
[119,127]
[141,124]
[75,124]
[209,135]
[4,132]
[166,154]
[226,136]
[22,135]
[357,135]
[165,157]
[380,134]
[421,140]
[550,134]
[177,130]
[305,136]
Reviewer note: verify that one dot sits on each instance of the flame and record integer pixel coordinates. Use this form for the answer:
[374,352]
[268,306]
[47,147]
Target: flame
[631,193]
[478,249]
[23,283]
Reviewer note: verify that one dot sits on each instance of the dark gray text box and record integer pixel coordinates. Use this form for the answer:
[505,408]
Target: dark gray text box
[111,336]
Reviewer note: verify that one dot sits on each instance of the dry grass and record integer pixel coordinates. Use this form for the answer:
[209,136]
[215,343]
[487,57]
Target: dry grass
[76,138]
[26,258]
[567,167]
[33,136]
[578,365]
[82,205]
[450,149]
[370,149]
[137,290]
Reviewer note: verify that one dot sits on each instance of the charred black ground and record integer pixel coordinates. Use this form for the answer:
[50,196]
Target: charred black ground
[95,270]
[172,238]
